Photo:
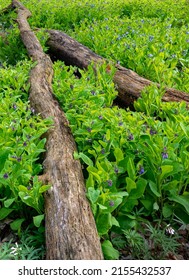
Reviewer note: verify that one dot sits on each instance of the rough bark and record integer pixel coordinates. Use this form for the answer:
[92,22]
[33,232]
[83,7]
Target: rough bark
[70,227]
[129,84]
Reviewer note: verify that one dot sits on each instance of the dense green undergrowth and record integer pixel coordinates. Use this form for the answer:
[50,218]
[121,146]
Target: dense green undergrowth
[135,163]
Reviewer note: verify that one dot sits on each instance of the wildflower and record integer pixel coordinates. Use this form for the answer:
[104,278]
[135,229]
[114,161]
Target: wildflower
[32,110]
[152,132]
[103,151]
[14,106]
[150,55]
[93,92]
[111,203]
[89,129]
[6,176]
[24,144]
[164,155]
[15,250]
[19,159]
[130,137]
[120,123]
[151,38]
[116,170]
[141,170]
[169,230]
[100,117]
[109,183]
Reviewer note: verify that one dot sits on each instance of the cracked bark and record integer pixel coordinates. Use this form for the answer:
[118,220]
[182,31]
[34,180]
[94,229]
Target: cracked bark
[70,227]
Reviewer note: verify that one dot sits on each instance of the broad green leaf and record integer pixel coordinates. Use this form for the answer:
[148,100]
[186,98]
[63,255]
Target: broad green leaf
[140,188]
[16,225]
[125,222]
[166,170]
[86,159]
[90,181]
[148,204]
[104,223]
[108,135]
[115,222]
[184,201]
[8,202]
[153,188]
[131,169]
[93,194]
[184,128]
[130,184]
[118,154]
[22,188]
[167,210]
[129,205]
[44,188]
[109,252]
[41,144]
[38,219]
[4,212]
[102,207]
[27,199]
[94,172]
[155,206]
[3,157]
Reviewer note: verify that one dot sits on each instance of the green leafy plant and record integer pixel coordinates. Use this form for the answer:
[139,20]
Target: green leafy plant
[135,163]
[21,145]
[29,247]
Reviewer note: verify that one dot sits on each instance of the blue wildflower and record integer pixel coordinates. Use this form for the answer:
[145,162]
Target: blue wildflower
[103,151]
[141,170]
[93,92]
[6,176]
[130,137]
[109,183]
[164,155]
[116,170]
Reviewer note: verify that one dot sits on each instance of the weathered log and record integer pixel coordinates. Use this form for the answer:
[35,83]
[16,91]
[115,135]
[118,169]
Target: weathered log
[129,84]
[70,227]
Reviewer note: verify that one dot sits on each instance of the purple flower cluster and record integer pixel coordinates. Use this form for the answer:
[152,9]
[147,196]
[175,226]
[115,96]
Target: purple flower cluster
[110,183]
[6,176]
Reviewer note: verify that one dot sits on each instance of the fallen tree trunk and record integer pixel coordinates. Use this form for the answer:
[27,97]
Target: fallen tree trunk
[129,84]
[70,227]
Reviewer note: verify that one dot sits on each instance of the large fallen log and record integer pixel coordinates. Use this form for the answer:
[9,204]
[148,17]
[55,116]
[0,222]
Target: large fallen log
[129,84]
[70,227]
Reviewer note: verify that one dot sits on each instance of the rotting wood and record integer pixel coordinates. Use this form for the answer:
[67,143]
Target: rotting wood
[70,227]
[128,83]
